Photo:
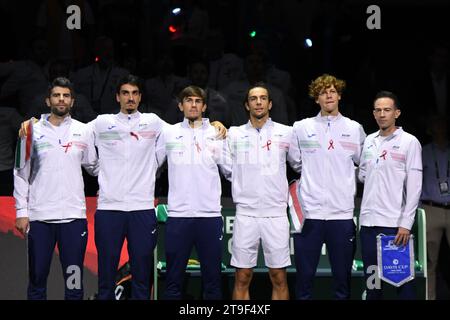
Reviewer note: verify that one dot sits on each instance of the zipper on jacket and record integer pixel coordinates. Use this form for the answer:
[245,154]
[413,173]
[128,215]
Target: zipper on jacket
[127,162]
[259,155]
[327,160]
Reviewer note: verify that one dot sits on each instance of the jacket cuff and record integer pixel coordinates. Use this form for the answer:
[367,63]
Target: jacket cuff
[22,213]
[406,222]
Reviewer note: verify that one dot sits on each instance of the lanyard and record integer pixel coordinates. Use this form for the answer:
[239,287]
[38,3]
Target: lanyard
[436,163]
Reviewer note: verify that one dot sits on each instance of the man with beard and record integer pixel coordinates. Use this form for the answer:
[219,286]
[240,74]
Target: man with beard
[258,152]
[49,193]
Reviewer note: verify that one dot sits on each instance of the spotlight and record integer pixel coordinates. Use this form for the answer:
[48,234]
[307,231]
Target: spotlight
[172,29]
[308,43]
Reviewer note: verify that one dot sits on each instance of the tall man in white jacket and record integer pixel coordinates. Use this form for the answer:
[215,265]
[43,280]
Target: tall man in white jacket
[126,144]
[194,212]
[259,150]
[391,169]
[49,193]
[330,146]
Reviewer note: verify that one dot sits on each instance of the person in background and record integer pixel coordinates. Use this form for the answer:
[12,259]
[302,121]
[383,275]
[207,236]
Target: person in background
[435,196]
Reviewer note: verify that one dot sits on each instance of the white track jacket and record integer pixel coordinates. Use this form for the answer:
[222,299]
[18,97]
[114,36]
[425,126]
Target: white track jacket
[50,185]
[329,147]
[392,176]
[193,156]
[126,149]
[259,182]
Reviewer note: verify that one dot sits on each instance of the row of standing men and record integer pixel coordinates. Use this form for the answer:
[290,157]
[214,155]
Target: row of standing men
[132,145]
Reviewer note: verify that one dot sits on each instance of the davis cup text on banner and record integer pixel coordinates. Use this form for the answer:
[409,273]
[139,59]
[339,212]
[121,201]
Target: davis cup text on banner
[395,263]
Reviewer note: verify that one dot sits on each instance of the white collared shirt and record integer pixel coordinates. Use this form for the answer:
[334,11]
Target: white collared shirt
[391,170]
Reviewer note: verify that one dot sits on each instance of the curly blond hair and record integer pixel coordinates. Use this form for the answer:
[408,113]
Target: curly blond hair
[323,82]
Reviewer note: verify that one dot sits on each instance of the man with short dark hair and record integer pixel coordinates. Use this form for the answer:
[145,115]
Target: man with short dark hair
[194,212]
[258,151]
[125,207]
[391,169]
[49,193]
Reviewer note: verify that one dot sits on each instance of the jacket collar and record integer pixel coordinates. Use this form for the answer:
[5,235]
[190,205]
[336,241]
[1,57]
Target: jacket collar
[205,123]
[44,118]
[269,124]
[132,116]
[393,135]
[329,118]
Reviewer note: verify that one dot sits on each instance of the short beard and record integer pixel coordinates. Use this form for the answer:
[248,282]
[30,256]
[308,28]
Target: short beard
[59,113]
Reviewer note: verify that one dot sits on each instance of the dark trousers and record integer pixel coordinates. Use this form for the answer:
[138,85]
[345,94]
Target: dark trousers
[368,236]
[339,237]
[182,234]
[71,238]
[140,230]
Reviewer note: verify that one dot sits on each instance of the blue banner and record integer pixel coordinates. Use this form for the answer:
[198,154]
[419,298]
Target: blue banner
[395,263]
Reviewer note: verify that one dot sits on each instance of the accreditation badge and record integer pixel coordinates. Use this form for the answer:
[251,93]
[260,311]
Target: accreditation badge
[395,263]
[443,188]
